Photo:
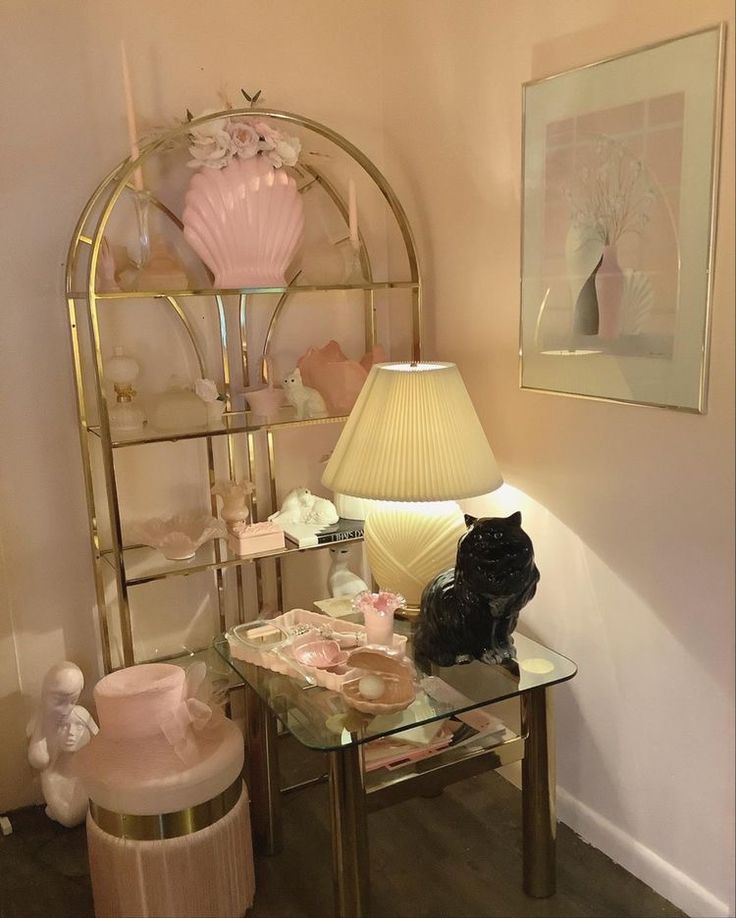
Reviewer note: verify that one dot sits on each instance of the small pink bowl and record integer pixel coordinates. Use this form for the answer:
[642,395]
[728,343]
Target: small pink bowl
[264,401]
[320,654]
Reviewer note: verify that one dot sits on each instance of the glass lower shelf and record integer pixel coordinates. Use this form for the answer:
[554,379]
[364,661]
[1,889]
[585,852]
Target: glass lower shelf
[144,565]
[231,423]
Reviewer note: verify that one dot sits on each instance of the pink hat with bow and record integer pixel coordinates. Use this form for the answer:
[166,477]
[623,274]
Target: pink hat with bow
[163,744]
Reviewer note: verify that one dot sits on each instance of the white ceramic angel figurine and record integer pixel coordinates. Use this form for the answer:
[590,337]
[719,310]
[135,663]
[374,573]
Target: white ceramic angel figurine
[341,581]
[301,506]
[59,729]
[234,500]
[308,402]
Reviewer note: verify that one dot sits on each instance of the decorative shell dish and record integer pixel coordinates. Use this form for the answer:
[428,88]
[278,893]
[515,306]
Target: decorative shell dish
[396,672]
[178,537]
[322,654]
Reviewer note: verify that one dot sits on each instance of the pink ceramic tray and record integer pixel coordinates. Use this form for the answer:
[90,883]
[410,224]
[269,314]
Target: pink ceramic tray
[281,662]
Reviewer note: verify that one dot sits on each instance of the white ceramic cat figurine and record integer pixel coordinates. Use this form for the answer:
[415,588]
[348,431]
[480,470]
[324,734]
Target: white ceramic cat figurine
[308,402]
[341,581]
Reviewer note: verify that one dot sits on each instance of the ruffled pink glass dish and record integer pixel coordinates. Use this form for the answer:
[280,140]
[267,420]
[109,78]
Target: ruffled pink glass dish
[320,654]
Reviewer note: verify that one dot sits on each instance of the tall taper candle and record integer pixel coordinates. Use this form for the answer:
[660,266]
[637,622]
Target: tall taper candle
[130,113]
[352,214]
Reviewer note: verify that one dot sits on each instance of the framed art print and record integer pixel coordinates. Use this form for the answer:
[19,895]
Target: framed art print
[619,190]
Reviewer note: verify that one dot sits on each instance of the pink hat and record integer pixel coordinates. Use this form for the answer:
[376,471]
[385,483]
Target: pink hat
[163,744]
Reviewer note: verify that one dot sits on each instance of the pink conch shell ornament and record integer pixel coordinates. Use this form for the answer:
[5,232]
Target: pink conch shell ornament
[245,222]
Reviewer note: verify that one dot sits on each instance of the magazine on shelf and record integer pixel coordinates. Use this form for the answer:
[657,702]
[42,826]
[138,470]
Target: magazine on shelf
[307,535]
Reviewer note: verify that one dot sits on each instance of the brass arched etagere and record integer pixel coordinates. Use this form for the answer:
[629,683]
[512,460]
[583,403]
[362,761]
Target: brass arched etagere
[84,302]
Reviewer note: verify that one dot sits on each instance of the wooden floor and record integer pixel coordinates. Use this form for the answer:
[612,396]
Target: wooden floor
[453,856]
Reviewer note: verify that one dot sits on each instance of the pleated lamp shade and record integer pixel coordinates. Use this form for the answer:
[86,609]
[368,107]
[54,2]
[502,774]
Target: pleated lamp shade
[413,435]
[413,440]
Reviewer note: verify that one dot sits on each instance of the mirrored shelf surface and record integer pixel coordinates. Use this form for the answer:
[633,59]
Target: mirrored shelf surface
[144,565]
[231,423]
[237,291]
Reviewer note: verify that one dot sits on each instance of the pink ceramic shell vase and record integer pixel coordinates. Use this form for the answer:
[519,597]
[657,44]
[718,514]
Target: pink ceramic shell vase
[245,222]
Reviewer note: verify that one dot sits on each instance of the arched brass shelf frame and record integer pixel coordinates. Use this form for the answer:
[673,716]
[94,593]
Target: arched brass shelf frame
[83,258]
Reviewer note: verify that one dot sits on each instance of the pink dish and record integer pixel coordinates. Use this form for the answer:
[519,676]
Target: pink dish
[320,654]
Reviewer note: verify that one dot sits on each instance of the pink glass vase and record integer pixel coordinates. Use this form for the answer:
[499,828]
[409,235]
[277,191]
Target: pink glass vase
[245,222]
[609,288]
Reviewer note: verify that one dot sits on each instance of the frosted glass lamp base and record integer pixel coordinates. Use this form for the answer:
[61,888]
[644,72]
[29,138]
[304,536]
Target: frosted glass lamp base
[409,544]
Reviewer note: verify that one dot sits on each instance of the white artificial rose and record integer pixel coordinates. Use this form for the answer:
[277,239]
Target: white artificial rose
[244,138]
[210,129]
[206,390]
[288,150]
[213,152]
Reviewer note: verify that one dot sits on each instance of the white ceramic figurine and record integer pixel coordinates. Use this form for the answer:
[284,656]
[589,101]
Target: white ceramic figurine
[308,402]
[341,581]
[301,506]
[59,729]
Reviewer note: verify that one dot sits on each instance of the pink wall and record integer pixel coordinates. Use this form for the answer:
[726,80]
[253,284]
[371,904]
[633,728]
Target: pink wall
[631,509]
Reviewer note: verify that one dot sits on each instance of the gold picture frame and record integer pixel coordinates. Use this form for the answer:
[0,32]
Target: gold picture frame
[620,179]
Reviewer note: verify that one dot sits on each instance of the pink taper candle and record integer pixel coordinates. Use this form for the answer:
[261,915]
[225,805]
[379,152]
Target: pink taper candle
[352,213]
[130,112]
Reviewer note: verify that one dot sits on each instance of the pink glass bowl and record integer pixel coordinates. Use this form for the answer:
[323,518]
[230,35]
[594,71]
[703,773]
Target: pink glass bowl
[320,654]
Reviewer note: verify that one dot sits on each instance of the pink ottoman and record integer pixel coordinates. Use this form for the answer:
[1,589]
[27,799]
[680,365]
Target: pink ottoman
[169,821]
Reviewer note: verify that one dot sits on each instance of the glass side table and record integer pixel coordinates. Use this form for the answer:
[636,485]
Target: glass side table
[321,720]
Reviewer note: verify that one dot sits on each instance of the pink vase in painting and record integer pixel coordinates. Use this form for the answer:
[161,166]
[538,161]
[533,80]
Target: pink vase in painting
[245,222]
[609,289]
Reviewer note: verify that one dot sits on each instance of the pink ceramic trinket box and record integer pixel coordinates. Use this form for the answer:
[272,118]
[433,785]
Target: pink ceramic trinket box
[255,538]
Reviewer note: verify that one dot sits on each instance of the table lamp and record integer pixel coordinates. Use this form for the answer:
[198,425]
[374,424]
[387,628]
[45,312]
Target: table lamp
[414,444]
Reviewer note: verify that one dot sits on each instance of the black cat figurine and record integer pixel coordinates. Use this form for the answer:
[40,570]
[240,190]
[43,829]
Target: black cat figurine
[470,612]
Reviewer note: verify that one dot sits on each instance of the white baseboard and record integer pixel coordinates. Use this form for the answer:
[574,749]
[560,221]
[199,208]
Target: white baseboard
[649,867]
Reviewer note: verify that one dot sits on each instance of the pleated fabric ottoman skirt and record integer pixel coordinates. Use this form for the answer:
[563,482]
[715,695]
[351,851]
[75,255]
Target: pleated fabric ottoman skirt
[204,874]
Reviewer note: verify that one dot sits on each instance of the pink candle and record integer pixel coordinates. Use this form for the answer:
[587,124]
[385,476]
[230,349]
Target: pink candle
[352,213]
[130,113]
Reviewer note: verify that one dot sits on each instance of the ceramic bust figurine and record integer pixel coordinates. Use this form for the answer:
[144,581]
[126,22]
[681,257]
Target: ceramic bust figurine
[301,506]
[60,728]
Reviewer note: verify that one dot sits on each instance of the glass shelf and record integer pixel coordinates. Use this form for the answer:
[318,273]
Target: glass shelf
[231,423]
[236,291]
[144,564]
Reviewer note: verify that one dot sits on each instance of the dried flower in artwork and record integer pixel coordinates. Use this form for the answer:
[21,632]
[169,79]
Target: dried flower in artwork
[612,193]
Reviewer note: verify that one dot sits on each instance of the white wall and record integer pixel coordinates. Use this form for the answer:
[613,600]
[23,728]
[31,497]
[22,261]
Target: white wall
[66,129]
[630,509]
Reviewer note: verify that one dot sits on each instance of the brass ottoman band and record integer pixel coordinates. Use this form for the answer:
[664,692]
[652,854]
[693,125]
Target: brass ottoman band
[167,825]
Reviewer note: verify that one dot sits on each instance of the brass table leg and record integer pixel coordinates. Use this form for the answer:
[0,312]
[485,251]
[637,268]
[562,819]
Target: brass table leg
[538,793]
[350,874]
[262,773]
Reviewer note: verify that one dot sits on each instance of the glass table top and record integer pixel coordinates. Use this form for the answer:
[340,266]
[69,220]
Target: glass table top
[321,719]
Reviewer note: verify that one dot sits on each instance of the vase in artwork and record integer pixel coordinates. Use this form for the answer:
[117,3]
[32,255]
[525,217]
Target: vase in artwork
[609,289]
[245,221]
[583,252]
